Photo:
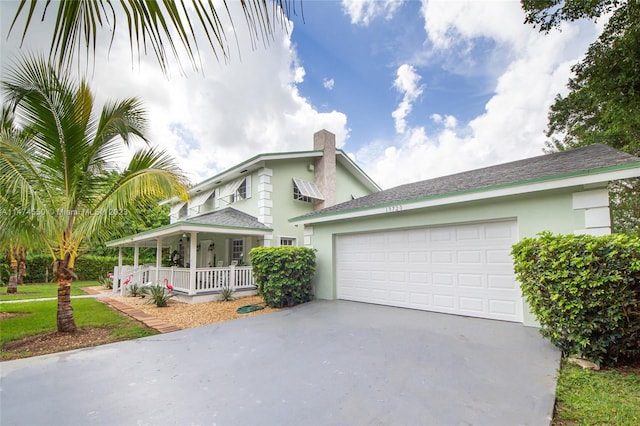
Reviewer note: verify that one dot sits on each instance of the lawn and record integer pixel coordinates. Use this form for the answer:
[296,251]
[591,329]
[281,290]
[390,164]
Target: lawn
[37,291]
[38,318]
[608,397]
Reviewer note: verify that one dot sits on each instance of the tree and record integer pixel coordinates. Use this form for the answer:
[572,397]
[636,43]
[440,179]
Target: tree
[549,14]
[14,245]
[60,172]
[165,26]
[603,103]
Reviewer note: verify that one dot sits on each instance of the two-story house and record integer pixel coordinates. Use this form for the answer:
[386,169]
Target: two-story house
[207,242]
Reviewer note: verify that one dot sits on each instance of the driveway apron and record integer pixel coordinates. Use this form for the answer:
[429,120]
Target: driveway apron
[321,363]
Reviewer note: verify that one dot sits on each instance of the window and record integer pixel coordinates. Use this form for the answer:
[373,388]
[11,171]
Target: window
[287,241]
[241,192]
[306,191]
[237,190]
[183,211]
[237,250]
[297,195]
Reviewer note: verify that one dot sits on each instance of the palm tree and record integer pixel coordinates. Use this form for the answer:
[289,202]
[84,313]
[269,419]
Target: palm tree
[59,170]
[164,25]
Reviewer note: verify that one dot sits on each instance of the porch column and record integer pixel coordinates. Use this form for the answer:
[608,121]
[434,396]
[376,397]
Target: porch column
[158,258]
[118,280]
[193,256]
[136,254]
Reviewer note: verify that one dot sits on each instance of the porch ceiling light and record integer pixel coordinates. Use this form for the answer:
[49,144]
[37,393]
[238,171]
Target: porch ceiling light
[184,235]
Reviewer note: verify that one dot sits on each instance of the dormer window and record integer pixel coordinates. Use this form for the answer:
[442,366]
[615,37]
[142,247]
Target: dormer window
[306,191]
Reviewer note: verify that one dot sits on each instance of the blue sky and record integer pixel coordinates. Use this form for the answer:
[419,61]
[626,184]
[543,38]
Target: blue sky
[362,62]
[412,90]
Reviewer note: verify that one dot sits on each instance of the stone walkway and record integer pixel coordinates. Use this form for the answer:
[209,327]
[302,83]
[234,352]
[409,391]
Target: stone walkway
[150,321]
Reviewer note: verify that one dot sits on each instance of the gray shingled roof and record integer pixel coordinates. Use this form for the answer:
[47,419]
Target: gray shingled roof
[228,217]
[545,166]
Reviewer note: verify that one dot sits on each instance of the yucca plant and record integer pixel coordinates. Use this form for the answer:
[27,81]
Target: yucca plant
[137,290]
[159,295]
[226,294]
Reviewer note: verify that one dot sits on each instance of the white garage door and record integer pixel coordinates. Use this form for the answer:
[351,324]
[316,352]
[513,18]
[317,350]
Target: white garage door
[461,269]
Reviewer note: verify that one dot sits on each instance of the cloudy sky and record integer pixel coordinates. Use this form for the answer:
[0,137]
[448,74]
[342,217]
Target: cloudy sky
[412,89]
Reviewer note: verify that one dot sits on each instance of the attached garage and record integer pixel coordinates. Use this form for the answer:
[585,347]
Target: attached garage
[460,269]
[444,244]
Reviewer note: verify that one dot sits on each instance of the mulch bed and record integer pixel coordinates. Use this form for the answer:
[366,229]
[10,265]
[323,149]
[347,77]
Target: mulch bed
[47,343]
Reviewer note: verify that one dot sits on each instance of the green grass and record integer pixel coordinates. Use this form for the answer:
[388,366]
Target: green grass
[41,318]
[37,291]
[608,397]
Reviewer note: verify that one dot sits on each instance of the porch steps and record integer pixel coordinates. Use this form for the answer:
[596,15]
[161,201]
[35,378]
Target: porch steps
[150,321]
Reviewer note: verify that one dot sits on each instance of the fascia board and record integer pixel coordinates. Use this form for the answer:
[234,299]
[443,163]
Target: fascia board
[180,227]
[347,162]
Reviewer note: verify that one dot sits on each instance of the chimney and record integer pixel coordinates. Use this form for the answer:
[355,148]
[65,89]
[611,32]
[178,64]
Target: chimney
[325,167]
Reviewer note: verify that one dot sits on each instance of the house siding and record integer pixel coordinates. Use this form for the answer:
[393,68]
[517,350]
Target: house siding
[552,211]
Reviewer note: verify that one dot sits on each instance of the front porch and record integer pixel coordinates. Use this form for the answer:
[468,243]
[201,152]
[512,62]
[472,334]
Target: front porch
[198,257]
[205,287]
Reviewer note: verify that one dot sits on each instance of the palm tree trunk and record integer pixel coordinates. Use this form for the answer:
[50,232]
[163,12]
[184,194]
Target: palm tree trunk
[65,321]
[12,287]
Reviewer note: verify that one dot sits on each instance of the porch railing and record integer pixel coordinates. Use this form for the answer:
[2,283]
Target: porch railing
[206,280]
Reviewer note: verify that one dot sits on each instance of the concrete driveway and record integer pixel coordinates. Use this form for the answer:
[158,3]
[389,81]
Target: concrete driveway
[325,362]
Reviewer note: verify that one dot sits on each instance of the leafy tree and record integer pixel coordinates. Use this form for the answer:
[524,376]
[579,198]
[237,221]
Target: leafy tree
[166,26]
[60,172]
[549,14]
[144,218]
[603,103]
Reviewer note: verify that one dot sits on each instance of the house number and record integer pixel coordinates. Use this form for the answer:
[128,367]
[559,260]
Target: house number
[391,209]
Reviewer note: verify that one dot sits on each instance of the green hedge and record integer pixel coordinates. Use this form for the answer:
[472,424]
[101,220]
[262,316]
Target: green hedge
[283,274]
[87,268]
[585,291]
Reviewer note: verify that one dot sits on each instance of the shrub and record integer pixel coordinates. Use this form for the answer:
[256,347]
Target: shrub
[106,281]
[87,267]
[137,290]
[283,274]
[226,294]
[585,291]
[160,295]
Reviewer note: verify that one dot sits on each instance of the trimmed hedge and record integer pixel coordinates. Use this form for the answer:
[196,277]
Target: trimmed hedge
[585,292]
[87,268]
[283,274]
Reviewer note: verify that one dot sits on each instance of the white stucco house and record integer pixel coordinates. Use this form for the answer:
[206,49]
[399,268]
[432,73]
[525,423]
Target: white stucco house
[248,205]
[444,244]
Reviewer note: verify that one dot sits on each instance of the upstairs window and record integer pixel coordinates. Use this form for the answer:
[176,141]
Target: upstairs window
[297,195]
[236,191]
[306,191]
[183,211]
[241,192]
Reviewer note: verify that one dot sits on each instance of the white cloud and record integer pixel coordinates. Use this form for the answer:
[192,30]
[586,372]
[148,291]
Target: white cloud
[537,67]
[448,121]
[407,83]
[364,11]
[328,83]
[216,118]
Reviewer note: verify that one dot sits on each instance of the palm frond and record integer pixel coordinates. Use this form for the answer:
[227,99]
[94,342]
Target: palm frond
[151,176]
[162,25]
